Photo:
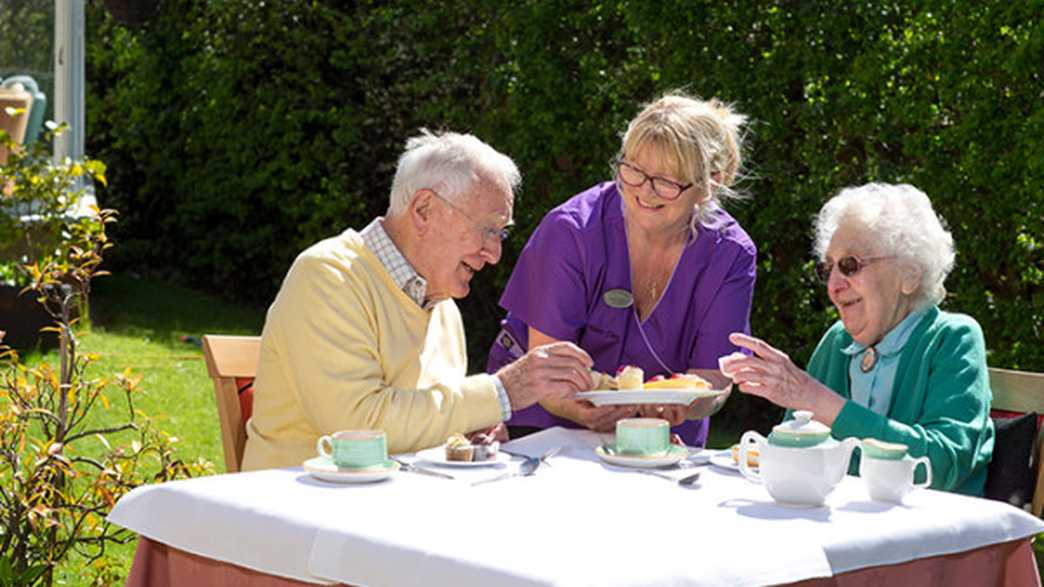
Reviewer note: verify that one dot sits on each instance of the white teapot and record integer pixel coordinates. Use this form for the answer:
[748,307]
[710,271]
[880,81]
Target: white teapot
[799,463]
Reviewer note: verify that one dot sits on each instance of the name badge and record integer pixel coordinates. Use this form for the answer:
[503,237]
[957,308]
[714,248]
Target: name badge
[618,298]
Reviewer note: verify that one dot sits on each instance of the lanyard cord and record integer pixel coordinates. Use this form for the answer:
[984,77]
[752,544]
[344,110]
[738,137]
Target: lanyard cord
[652,351]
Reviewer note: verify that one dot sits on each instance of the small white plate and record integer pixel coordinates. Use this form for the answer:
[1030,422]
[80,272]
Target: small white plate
[653,396]
[437,456]
[674,454]
[324,469]
[724,460]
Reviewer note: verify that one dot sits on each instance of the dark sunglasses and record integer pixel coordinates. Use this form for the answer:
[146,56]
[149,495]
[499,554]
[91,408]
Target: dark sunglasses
[848,266]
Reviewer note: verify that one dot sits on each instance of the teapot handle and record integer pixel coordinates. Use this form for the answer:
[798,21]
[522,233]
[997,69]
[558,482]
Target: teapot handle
[750,438]
[849,446]
[927,469]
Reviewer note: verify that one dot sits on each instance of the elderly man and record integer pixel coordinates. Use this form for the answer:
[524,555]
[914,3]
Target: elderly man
[364,332]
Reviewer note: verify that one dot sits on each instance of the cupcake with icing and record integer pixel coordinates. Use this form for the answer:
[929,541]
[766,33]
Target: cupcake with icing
[458,448]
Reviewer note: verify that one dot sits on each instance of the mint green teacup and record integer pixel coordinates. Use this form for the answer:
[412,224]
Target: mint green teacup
[354,449]
[646,437]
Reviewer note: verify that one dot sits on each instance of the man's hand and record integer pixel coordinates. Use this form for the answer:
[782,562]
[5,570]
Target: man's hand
[559,369]
[496,432]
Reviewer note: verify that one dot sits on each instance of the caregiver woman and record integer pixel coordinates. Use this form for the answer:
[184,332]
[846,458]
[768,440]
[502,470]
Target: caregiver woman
[895,367]
[646,270]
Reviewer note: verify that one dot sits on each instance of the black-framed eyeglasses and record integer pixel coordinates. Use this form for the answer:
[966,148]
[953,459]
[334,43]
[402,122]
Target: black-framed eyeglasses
[488,233]
[848,266]
[634,177]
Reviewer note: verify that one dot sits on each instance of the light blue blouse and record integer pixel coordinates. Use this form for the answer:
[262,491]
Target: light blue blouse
[873,389]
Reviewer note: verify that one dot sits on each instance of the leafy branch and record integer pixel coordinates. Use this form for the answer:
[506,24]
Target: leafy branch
[56,485]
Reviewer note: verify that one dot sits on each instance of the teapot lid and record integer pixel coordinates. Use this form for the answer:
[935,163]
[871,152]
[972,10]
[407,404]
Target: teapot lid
[802,431]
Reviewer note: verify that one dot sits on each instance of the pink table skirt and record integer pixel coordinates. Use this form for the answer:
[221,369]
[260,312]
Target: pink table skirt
[1009,563]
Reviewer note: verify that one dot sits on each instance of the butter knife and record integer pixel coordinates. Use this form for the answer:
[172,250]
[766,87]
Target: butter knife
[411,468]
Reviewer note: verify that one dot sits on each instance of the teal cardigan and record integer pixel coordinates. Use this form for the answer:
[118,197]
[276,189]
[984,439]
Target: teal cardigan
[940,402]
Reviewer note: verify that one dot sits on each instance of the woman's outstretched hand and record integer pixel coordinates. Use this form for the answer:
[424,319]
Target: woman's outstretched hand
[770,374]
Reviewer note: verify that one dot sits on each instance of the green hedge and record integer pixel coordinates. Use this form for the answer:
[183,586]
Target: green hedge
[239,132]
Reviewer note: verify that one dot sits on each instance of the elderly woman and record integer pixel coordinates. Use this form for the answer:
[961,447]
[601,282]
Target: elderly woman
[895,367]
[647,270]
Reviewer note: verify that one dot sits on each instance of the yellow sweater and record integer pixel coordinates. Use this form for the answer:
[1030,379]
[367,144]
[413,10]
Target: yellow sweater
[343,348]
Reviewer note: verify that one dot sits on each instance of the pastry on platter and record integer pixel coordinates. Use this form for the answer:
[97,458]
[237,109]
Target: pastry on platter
[603,381]
[678,381]
[630,378]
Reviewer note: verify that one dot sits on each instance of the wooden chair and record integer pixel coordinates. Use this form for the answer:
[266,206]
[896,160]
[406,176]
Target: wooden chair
[232,364]
[1022,392]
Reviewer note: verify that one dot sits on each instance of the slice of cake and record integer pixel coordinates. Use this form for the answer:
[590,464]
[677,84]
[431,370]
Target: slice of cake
[752,456]
[678,381]
[630,378]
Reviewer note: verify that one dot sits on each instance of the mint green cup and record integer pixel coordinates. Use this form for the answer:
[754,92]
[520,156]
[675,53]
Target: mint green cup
[645,437]
[354,449]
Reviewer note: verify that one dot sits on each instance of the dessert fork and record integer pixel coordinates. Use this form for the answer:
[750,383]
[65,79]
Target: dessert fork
[544,458]
[527,468]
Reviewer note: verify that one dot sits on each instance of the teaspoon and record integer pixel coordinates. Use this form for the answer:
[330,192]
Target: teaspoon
[690,480]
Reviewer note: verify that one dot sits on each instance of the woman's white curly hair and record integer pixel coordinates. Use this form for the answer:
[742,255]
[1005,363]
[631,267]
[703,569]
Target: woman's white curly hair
[900,221]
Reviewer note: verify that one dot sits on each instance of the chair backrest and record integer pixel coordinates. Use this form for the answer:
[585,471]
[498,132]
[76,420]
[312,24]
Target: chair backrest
[1022,392]
[36,112]
[230,360]
[15,124]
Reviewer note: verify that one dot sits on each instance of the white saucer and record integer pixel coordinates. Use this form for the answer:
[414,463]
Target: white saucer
[437,456]
[674,454]
[322,468]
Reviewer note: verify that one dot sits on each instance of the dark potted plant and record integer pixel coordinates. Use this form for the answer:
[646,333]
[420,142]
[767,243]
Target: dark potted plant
[37,216]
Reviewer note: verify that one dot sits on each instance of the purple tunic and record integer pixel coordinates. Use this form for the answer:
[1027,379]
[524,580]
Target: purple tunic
[579,252]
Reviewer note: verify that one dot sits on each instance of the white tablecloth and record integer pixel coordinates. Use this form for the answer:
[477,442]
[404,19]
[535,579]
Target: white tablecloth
[575,522]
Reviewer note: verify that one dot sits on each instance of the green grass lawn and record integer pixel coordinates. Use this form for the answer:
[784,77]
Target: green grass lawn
[140,324]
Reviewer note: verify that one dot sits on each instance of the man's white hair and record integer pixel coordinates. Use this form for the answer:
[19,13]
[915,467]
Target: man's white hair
[896,220]
[449,163]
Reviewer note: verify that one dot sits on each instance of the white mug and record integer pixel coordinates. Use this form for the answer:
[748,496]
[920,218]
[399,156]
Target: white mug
[891,479]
